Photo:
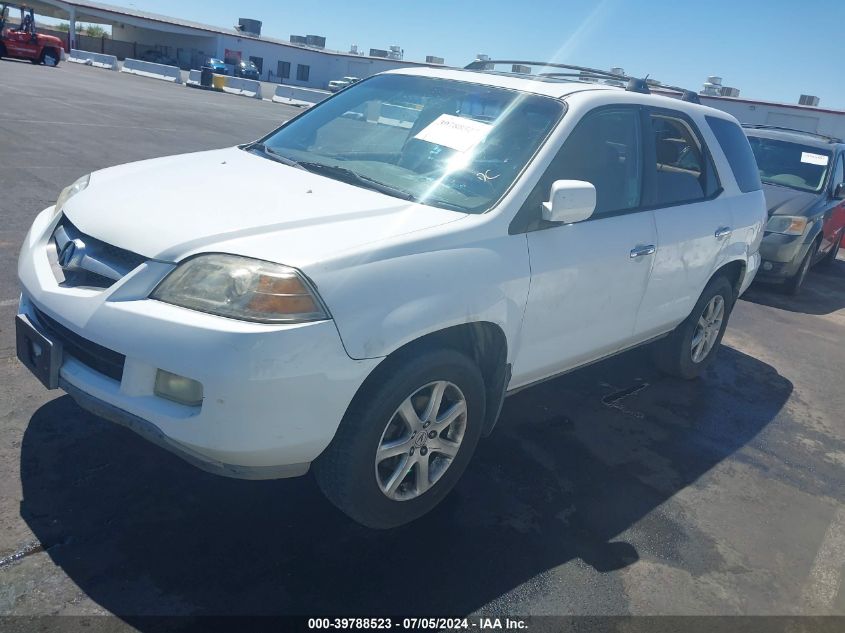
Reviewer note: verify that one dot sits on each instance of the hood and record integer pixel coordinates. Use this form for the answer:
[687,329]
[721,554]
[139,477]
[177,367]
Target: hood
[787,201]
[45,40]
[236,202]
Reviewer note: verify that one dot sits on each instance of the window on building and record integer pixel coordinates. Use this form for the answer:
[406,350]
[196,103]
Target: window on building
[684,172]
[302,72]
[283,70]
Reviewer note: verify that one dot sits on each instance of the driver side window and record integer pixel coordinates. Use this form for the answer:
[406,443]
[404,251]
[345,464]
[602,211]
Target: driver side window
[604,149]
[838,176]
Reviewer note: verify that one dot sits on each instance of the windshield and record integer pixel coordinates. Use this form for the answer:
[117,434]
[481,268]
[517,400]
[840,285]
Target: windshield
[444,143]
[802,167]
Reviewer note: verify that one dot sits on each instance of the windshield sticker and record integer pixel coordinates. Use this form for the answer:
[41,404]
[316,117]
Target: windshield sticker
[814,159]
[455,132]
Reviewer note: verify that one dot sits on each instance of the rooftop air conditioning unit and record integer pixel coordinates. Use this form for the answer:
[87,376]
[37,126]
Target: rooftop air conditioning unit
[249,27]
[317,41]
[712,87]
[730,92]
[808,100]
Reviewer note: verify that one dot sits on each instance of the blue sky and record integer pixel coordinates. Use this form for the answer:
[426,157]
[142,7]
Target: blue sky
[775,49]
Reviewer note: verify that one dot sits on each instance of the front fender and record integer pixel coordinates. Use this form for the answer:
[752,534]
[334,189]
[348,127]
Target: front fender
[382,303]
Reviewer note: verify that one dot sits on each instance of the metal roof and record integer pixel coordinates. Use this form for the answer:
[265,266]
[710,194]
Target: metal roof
[55,8]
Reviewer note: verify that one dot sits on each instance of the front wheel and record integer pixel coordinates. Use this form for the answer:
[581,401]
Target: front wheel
[50,57]
[405,440]
[692,346]
[793,285]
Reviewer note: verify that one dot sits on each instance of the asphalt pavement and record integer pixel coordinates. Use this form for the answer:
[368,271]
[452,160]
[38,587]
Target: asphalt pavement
[613,490]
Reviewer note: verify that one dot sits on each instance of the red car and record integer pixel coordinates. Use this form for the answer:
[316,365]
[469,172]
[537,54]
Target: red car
[21,40]
[803,178]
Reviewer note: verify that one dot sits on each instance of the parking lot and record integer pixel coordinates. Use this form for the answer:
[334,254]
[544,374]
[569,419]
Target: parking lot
[610,491]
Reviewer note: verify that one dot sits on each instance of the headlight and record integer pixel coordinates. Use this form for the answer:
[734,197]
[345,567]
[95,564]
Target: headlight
[70,191]
[241,288]
[787,224]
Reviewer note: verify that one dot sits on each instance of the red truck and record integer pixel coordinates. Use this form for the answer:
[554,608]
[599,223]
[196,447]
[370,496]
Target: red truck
[23,42]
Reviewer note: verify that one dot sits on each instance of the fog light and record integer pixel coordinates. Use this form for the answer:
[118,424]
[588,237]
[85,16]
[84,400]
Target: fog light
[767,265]
[178,388]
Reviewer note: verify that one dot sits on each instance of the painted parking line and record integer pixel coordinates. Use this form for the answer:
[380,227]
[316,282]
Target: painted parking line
[8,302]
[826,575]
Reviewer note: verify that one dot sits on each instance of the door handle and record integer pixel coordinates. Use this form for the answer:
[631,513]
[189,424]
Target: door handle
[640,251]
[723,231]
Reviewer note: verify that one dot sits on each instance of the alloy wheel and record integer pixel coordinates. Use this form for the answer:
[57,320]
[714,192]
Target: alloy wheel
[421,440]
[707,329]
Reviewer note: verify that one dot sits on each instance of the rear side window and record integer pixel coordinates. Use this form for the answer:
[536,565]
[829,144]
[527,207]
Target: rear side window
[684,172]
[738,152]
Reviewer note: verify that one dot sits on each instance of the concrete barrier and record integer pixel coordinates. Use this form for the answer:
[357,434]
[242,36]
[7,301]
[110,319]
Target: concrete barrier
[243,87]
[92,59]
[154,71]
[293,95]
[232,85]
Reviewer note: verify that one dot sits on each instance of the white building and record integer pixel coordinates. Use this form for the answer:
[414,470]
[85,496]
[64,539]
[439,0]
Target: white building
[806,115]
[134,33]
[798,117]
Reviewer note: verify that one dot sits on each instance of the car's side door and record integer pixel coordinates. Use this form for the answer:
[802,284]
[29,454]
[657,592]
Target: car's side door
[693,223]
[834,221]
[587,278]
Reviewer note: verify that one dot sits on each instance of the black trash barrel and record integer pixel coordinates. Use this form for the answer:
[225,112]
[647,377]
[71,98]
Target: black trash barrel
[206,76]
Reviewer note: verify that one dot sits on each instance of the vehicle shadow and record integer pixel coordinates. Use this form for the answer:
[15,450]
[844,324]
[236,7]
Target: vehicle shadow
[573,463]
[823,291]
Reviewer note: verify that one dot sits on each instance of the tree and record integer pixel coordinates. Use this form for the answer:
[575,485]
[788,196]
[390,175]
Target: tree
[93,30]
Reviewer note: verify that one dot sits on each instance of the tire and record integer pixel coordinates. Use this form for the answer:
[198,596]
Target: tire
[348,472]
[792,286]
[49,54]
[675,355]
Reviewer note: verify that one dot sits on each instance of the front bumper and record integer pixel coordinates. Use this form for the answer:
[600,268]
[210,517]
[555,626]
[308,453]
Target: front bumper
[273,395]
[782,255]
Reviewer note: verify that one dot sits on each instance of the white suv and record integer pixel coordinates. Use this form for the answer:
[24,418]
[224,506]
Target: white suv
[384,269]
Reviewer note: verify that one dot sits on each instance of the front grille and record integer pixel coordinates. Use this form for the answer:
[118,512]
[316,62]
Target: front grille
[79,260]
[99,358]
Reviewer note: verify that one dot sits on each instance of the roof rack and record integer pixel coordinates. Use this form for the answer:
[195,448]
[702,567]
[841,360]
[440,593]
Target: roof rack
[632,84]
[686,95]
[829,139]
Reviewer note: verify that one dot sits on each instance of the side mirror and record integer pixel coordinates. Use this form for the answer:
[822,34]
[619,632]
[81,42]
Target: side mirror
[839,191]
[570,201]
